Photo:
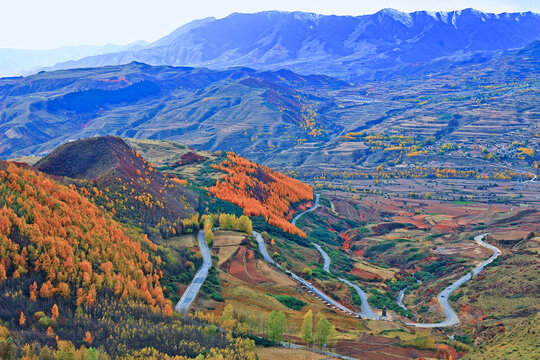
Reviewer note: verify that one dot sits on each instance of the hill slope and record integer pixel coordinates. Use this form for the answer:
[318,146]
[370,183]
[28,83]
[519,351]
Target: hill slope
[71,277]
[342,46]
[236,109]
[118,178]
[58,232]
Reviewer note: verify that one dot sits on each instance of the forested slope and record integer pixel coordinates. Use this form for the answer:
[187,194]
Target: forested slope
[71,276]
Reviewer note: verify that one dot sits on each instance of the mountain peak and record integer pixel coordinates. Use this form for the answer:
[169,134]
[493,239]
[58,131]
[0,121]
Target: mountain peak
[399,16]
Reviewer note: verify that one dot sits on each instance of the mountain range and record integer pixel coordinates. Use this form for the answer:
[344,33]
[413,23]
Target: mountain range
[278,118]
[17,62]
[349,47]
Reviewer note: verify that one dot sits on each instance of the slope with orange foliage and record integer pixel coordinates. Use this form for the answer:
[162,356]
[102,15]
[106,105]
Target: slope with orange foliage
[51,229]
[260,191]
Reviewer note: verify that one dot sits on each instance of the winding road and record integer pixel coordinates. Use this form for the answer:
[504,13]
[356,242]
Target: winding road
[451,316]
[443,298]
[366,312]
[309,286]
[195,286]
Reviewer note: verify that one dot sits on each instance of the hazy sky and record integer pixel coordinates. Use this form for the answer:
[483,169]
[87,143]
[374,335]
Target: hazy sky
[43,24]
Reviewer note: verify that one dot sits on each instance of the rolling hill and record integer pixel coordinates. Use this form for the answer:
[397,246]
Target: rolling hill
[72,277]
[350,47]
[239,109]
[110,172]
[483,107]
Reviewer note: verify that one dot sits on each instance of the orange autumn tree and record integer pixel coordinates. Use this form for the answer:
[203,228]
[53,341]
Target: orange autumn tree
[260,190]
[76,244]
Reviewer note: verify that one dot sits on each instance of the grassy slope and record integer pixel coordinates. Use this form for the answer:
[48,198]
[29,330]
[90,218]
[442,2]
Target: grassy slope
[518,341]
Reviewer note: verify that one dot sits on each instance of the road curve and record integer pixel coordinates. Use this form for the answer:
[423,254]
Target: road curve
[366,311]
[195,286]
[317,196]
[451,316]
[400,297]
[325,257]
[309,286]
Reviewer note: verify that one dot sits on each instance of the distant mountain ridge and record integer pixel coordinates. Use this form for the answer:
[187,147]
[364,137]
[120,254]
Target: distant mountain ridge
[277,118]
[349,47]
[18,62]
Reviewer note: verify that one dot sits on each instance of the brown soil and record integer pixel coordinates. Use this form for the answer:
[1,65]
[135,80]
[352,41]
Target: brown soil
[242,267]
[372,347]
[366,275]
[465,249]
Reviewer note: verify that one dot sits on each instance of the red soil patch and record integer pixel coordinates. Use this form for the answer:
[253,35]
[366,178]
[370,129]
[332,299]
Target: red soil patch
[347,243]
[410,220]
[471,314]
[189,158]
[366,275]
[243,267]
[372,347]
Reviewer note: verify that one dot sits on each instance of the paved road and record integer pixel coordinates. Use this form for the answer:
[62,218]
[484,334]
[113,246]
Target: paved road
[317,196]
[193,289]
[325,257]
[400,297]
[366,311]
[451,316]
[263,250]
[309,286]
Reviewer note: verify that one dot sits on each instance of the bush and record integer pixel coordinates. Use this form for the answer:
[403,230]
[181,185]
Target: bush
[424,276]
[289,301]
[217,296]
[379,248]
[435,266]
[414,257]
[463,338]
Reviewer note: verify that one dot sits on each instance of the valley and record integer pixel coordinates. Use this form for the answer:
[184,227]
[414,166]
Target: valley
[441,231]
[276,184]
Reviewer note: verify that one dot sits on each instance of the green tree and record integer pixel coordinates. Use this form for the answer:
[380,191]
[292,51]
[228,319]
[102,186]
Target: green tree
[307,272]
[209,236]
[276,325]
[307,328]
[228,313]
[332,338]
[428,195]
[323,330]
[244,224]
[92,354]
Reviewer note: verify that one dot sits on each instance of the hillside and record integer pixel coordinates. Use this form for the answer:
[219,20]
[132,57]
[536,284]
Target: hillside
[35,237]
[242,185]
[116,177]
[348,47]
[465,115]
[71,277]
[240,109]
[518,341]
[260,191]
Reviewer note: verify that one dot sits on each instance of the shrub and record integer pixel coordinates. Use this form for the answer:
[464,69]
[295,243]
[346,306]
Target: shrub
[289,301]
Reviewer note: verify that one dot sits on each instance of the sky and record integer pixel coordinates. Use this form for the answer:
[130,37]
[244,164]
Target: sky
[46,24]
